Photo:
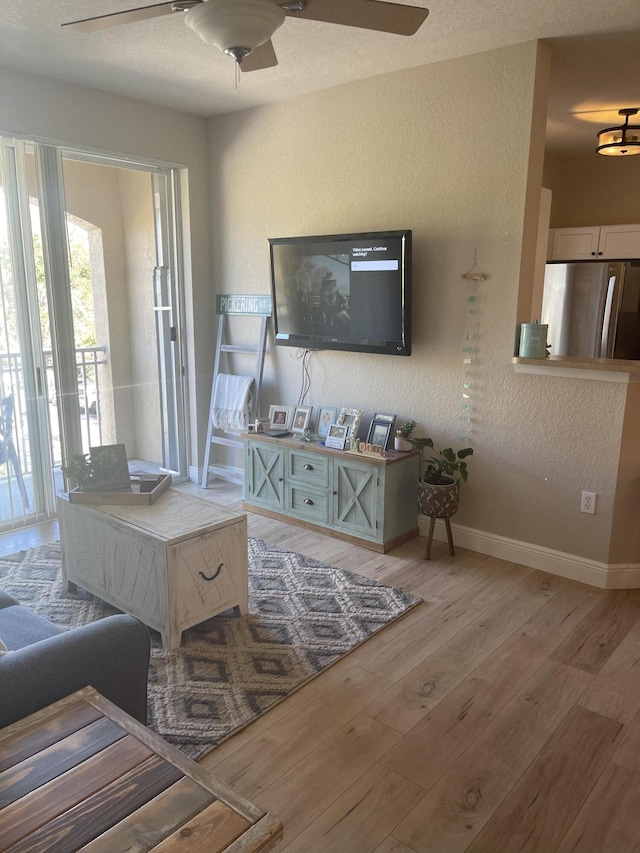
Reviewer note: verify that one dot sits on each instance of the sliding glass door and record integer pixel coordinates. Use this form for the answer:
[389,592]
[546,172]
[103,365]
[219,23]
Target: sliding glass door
[90,319]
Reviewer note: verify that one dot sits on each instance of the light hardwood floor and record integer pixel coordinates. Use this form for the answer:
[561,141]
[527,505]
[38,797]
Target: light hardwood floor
[500,715]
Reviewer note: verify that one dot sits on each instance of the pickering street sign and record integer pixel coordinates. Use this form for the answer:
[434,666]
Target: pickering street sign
[243,304]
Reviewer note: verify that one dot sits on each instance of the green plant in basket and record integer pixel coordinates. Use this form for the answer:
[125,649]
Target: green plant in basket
[442,466]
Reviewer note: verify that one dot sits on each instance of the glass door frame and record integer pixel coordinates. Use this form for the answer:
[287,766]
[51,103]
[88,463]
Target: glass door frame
[32,360]
[167,222]
[169,298]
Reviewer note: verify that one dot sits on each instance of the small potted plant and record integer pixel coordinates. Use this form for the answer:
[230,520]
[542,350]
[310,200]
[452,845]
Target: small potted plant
[439,484]
[400,441]
[79,471]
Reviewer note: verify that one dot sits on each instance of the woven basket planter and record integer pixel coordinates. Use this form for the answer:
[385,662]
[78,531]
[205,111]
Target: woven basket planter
[439,501]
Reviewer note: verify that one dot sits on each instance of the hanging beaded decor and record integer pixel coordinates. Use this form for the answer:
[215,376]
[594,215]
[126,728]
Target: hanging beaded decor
[470,349]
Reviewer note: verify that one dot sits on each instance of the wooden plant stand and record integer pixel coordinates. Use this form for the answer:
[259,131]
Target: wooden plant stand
[432,524]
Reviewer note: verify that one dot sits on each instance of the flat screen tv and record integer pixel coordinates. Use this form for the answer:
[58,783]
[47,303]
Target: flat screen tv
[343,291]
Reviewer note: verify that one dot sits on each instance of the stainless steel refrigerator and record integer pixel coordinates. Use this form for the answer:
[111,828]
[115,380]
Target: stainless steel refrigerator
[593,309]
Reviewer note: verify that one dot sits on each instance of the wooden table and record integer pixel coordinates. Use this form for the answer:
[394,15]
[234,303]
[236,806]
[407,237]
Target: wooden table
[82,775]
[173,564]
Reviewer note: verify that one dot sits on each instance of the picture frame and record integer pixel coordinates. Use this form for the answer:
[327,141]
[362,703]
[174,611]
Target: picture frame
[380,432]
[280,417]
[111,466]
[351,419]
[337,436]
[391,419]
[300,419]
[326,417]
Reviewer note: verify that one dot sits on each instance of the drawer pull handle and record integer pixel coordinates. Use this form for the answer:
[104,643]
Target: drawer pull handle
[308,501]
[214,575]
[308,467]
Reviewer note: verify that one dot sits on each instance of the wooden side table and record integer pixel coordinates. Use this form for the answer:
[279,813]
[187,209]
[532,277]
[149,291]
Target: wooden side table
[172,564]
[83,775]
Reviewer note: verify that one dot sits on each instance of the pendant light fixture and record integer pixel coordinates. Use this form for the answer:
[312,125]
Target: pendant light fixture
[621,140]
[236,27]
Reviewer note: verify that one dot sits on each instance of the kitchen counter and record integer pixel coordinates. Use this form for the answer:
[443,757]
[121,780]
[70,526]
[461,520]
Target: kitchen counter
[579,367]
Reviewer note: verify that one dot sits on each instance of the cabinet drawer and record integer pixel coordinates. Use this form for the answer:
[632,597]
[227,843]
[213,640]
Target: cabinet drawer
[309,504]
[308,468]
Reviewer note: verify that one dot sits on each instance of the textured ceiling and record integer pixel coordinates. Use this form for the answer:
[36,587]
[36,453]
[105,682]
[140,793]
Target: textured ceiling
[596,50]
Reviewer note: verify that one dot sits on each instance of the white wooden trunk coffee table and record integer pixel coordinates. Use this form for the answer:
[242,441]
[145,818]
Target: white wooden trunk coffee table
[172,564]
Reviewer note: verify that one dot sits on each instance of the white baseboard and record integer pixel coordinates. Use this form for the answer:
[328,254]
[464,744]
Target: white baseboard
[195,474]
[603,575]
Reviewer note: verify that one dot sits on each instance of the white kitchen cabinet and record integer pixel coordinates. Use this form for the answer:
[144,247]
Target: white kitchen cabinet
[595,242]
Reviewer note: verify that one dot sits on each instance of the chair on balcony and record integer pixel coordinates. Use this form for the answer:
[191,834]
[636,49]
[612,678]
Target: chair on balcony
[8,452]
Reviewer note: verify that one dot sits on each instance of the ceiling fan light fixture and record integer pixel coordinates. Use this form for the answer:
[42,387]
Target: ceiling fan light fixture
[235,27]
[622,140]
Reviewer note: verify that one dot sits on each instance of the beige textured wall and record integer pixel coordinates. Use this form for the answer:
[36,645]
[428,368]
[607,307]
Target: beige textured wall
[593,191]
[600,190]
[384,153]
[372,155]
[38,107]
[625,539]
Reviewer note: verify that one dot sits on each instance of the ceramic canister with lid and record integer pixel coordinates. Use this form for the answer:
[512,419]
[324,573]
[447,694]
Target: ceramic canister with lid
[533,340]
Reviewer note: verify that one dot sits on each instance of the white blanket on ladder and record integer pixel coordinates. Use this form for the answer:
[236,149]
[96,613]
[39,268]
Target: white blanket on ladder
[232,396]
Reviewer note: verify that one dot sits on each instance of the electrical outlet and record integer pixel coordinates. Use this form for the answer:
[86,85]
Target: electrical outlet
[588,503]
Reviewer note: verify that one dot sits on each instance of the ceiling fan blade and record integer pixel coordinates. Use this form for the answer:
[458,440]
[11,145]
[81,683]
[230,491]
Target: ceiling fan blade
[264,56]
[103,22]
[367,14]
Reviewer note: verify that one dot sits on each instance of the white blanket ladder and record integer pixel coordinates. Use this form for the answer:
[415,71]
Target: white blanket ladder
[251,308]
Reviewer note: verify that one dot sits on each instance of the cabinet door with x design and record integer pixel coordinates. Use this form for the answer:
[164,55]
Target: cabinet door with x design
[264,475]
[357,495]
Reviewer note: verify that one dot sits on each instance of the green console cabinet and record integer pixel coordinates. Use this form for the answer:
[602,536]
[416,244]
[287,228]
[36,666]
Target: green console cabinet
[360,498]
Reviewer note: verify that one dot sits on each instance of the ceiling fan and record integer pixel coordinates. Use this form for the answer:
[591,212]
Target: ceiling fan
[243,28]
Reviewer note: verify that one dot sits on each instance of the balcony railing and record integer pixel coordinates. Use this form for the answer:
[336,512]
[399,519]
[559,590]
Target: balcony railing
[88,359]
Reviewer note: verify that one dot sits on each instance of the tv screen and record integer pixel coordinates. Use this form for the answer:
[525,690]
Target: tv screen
[343,291]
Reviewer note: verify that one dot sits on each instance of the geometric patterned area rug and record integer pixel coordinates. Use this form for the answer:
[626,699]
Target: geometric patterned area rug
[303,616]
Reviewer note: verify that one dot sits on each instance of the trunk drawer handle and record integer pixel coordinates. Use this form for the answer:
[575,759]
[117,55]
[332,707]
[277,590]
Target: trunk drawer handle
[308,467]
[214,575]
[308,501]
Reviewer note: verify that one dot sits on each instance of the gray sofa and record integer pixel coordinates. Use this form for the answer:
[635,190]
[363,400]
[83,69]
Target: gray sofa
[44,663]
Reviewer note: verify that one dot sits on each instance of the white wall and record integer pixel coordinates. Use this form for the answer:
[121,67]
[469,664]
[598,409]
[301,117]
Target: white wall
[46,109]
[441,149]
